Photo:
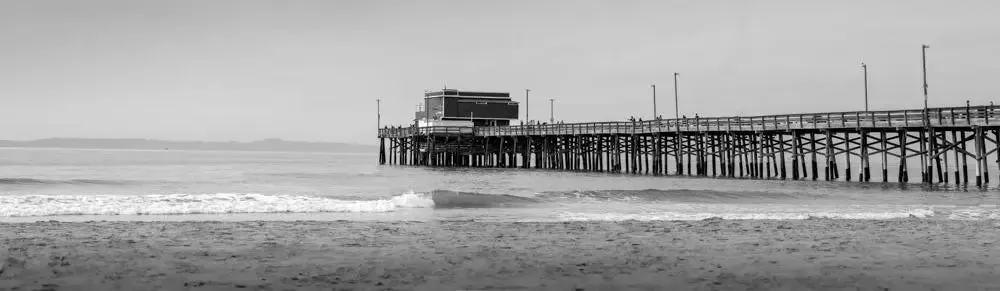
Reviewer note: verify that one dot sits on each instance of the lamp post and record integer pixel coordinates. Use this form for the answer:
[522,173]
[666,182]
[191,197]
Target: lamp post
[654,100]
[552,115]
[378,110]
[527,105]
[677,111]
[864,68]
[923,54]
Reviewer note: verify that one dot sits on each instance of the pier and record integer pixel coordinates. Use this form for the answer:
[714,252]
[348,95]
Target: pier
[949,144]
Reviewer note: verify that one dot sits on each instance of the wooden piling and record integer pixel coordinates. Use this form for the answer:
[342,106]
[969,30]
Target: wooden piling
[936,158]
[944,156]
[986,155]
[924,165]
[829,156]
[847,156]
[977,141]
[904,175]
[866,174]
[796,153]
[996,143]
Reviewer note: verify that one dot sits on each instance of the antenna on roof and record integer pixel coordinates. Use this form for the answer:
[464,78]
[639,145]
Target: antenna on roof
[446,85]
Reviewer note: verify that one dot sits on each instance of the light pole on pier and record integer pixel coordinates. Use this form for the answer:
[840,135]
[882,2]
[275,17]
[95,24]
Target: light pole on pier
[527,106]
[654,100]
[378,109]
[552,111]
[864,68]
[677,111]
[923,54]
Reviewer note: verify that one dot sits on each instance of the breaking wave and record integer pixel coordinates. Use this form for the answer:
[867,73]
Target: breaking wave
[58,205]
[32,181]
[676,195]
[979,212]
[452,199]
[684,216]
[45,205]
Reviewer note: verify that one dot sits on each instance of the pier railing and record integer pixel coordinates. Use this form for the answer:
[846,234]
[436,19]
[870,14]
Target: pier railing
[935,117]
[433,130]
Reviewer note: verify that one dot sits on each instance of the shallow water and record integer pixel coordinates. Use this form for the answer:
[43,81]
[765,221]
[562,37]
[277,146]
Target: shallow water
[70,184]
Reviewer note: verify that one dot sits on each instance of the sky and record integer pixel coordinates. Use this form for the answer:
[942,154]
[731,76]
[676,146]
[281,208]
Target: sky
[243,70]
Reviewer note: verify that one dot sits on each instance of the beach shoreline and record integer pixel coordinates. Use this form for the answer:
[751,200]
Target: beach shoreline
[713,254]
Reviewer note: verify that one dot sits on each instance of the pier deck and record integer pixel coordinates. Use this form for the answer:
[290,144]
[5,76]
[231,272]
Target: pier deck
[762,147]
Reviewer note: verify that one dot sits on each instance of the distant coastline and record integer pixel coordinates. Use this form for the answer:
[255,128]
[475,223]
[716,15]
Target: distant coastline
[152,144]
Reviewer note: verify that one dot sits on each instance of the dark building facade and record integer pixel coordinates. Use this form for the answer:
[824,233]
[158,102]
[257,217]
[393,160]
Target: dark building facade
[483,108]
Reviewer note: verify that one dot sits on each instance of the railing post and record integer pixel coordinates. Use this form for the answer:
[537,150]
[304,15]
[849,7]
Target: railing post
[986,111]
[968,114]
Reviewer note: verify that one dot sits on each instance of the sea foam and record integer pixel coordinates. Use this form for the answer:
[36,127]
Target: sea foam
[53,205]
[687,216]
[979,212]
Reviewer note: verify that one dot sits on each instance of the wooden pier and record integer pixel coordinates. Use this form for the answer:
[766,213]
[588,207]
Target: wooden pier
[947,143]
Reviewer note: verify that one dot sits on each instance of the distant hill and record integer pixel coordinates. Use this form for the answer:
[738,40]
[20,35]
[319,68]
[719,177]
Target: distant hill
[151,144]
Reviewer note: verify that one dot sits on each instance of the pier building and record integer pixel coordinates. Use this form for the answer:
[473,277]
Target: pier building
[453,107]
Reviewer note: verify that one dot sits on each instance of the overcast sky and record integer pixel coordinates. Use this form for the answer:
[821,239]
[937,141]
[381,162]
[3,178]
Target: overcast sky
[311,70]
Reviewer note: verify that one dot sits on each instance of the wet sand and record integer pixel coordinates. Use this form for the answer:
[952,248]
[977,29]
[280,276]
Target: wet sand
[821,254]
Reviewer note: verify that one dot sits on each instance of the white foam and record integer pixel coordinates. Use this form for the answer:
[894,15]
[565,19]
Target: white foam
[670,216]
[54,205]
[981,212]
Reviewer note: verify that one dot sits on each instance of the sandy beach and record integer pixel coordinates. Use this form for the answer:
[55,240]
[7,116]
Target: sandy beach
[816,254]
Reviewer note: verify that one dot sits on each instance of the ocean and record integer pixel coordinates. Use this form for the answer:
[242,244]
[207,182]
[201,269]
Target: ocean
[87,184]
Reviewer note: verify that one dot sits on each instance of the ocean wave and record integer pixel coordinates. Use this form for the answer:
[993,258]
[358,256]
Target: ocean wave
[685,216]
[221,203]
[56,205]
[677,195]
[33,181]
[980,212]
[453,199]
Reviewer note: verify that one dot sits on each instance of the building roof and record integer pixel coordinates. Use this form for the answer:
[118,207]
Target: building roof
[470,94]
